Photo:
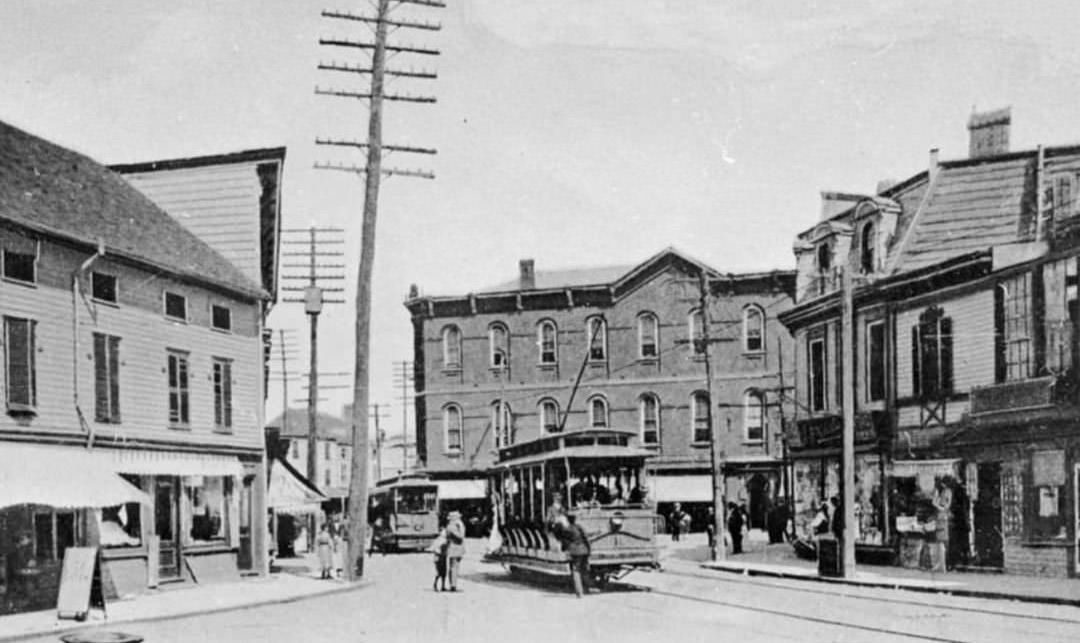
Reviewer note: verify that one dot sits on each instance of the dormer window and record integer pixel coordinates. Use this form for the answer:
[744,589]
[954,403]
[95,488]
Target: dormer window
[824,258]
[867,241]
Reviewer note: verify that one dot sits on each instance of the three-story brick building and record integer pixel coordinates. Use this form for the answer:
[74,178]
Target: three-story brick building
[610,347]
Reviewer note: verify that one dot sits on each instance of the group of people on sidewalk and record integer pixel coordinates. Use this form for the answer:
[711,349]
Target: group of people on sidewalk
[330,547]
[449,549]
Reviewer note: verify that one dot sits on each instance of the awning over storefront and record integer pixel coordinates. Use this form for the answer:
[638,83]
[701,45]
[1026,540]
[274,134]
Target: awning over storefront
[462,489]
[61,477]
[695,488]
[290,492]
[926,472]
[169,463]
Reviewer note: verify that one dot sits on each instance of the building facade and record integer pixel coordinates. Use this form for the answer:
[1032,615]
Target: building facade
[964,336]
[615,347]
[132,351]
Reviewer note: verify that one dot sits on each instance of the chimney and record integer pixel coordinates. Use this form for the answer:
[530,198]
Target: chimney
[884,185]
[527,274]
[935,164]
[414,291]
[989,133]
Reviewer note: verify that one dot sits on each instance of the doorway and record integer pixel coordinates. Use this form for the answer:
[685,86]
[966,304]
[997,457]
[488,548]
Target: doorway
[989,544]
[757,487]
[245,557]
[166,526]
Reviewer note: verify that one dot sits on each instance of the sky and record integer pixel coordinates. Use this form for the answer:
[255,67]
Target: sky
[584,133]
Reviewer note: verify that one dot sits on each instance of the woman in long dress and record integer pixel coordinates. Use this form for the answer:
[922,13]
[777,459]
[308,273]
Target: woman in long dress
[324,545]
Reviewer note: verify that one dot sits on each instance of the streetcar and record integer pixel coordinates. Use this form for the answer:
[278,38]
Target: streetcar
[599,477]
[404,514]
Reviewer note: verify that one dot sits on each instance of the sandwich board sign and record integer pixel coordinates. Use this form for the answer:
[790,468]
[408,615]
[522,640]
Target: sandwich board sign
[80,584]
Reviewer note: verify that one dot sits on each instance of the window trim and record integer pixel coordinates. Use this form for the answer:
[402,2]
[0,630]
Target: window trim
[182,391]
[111,350]
[645,397]
[4,252]
[811,381]
[446,411]
[697,342]
[540,325]
[545,401]
[590,338]
[213,320]
[868,248]
[165,307]
[754,398]
[446,344]
[94,274]
[493,349]
[694,417]
[868,358]
[644,319]
[29,407]
[500,411]
[226,403]
[591,402]
[748,310]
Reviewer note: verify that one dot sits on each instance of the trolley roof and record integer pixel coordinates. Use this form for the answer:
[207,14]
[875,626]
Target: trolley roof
[405,481]
[607,444]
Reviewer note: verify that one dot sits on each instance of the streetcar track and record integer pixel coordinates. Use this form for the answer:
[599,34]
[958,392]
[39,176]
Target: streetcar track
[722,577]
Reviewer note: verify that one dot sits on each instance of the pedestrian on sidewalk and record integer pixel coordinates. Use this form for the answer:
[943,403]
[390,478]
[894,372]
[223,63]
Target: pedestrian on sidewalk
[439,549]
[455,549]
[710,528]
[324,545]
[575,543]
[735,527]
[677,518]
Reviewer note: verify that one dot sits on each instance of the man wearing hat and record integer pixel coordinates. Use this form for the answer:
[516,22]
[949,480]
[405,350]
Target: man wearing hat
[455,549]
[575,543]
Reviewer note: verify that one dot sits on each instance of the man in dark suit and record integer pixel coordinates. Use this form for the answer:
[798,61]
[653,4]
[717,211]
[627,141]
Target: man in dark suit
[576,544]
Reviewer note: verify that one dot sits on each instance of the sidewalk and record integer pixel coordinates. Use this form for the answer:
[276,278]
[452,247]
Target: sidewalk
[292,579]
[780,561]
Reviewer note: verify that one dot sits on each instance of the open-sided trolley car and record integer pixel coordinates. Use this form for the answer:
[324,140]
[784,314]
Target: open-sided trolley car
[404,514]
[599,478]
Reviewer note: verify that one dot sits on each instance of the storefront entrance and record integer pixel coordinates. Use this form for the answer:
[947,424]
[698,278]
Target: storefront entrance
[989,551]
[167,526]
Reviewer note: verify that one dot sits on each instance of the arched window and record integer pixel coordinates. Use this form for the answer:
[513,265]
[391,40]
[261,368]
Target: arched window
[451,341]
[824,258]
[867,241]
[753,416]
[696,327]
[753,329]
[452,428]
[597,330]
[547,338]
[499,345]
[648,336]
[549,416]
[699,411]
[502,421]
[598,412]
[649,409]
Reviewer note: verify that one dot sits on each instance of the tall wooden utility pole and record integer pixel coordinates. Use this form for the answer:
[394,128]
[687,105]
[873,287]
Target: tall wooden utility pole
[847,467]
[373,171]
[318,245]
[716,450]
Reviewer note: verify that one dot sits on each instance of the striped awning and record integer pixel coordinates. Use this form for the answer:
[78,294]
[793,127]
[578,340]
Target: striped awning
[290,492]
[172,463]
[65,477]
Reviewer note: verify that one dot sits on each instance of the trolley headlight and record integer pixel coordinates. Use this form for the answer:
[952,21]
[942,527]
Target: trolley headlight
[616,521]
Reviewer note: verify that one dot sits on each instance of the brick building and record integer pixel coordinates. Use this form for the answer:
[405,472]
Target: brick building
[132,384]
[965,342]
[500,365]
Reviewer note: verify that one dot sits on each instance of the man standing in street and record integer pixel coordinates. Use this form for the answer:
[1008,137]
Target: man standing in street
[677,518]
[735,526]
[455,547]
[576,544]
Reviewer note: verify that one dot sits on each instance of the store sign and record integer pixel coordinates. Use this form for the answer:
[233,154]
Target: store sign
[828,431]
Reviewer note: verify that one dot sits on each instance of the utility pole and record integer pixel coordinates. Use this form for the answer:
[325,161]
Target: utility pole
[376,415]
[285,345]
[317,244]
[716,453]
[847,468]
[403,377]
[373,171]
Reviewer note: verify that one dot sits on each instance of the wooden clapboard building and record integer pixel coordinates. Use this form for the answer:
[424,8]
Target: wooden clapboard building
[966,350]
[131,393]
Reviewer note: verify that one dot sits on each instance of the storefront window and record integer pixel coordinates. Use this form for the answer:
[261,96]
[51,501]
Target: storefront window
[868,507]
[1047,495]
[204,508]
[54,532]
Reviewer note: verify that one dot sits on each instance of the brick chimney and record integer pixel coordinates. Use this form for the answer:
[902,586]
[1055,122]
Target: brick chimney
[989,132]
[526,274]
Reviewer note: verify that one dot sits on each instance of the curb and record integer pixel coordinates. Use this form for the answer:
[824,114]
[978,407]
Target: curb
[186,614]
[953,591]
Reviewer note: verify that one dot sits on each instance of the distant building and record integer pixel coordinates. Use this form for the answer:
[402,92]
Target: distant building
[333,456]
[132,384]
[499,366]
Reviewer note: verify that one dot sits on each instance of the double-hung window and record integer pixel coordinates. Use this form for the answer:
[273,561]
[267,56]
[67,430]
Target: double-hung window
[932,348]
[178,375]
[650,419]
[753,416]
[106,378]
[648,332]
[699,406]
[597,329]
[20,348]
[223,406]
[452,428]
[547,338]
[816,374]
[875,361]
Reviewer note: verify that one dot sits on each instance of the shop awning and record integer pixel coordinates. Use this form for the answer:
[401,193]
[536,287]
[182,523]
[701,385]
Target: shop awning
[695,488]
[62,477]
[462,489]
[290,492]
[168,463]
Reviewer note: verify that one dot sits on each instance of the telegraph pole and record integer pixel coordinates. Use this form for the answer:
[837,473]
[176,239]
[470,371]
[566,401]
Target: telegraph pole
[373,171]
[315,248]
[847,468]
[376,415]
[716,453]
[403,377]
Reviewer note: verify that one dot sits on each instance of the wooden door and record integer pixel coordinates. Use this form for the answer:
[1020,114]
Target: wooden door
[989,551]
[167,526]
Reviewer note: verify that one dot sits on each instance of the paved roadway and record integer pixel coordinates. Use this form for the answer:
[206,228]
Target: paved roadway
[680,604]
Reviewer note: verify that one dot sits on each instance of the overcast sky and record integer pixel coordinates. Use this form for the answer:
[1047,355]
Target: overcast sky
[577,133]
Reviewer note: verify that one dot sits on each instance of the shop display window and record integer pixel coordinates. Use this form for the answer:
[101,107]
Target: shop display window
[203,508]
[1046,498]
[121,526]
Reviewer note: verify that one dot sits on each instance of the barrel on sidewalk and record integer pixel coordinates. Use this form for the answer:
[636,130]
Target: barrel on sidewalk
[830,562]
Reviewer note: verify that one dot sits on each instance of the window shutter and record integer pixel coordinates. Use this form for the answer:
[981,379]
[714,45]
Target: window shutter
[1000,373]
[101,378]
[114,379]
[226,387]
[945,355]
[916,363]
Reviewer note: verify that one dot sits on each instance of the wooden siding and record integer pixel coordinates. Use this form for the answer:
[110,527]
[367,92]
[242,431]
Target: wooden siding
[145,335]
[219,204]
[973,341]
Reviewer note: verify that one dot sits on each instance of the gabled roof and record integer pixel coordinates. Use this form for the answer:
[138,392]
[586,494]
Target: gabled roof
[61,193]
[328,426]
